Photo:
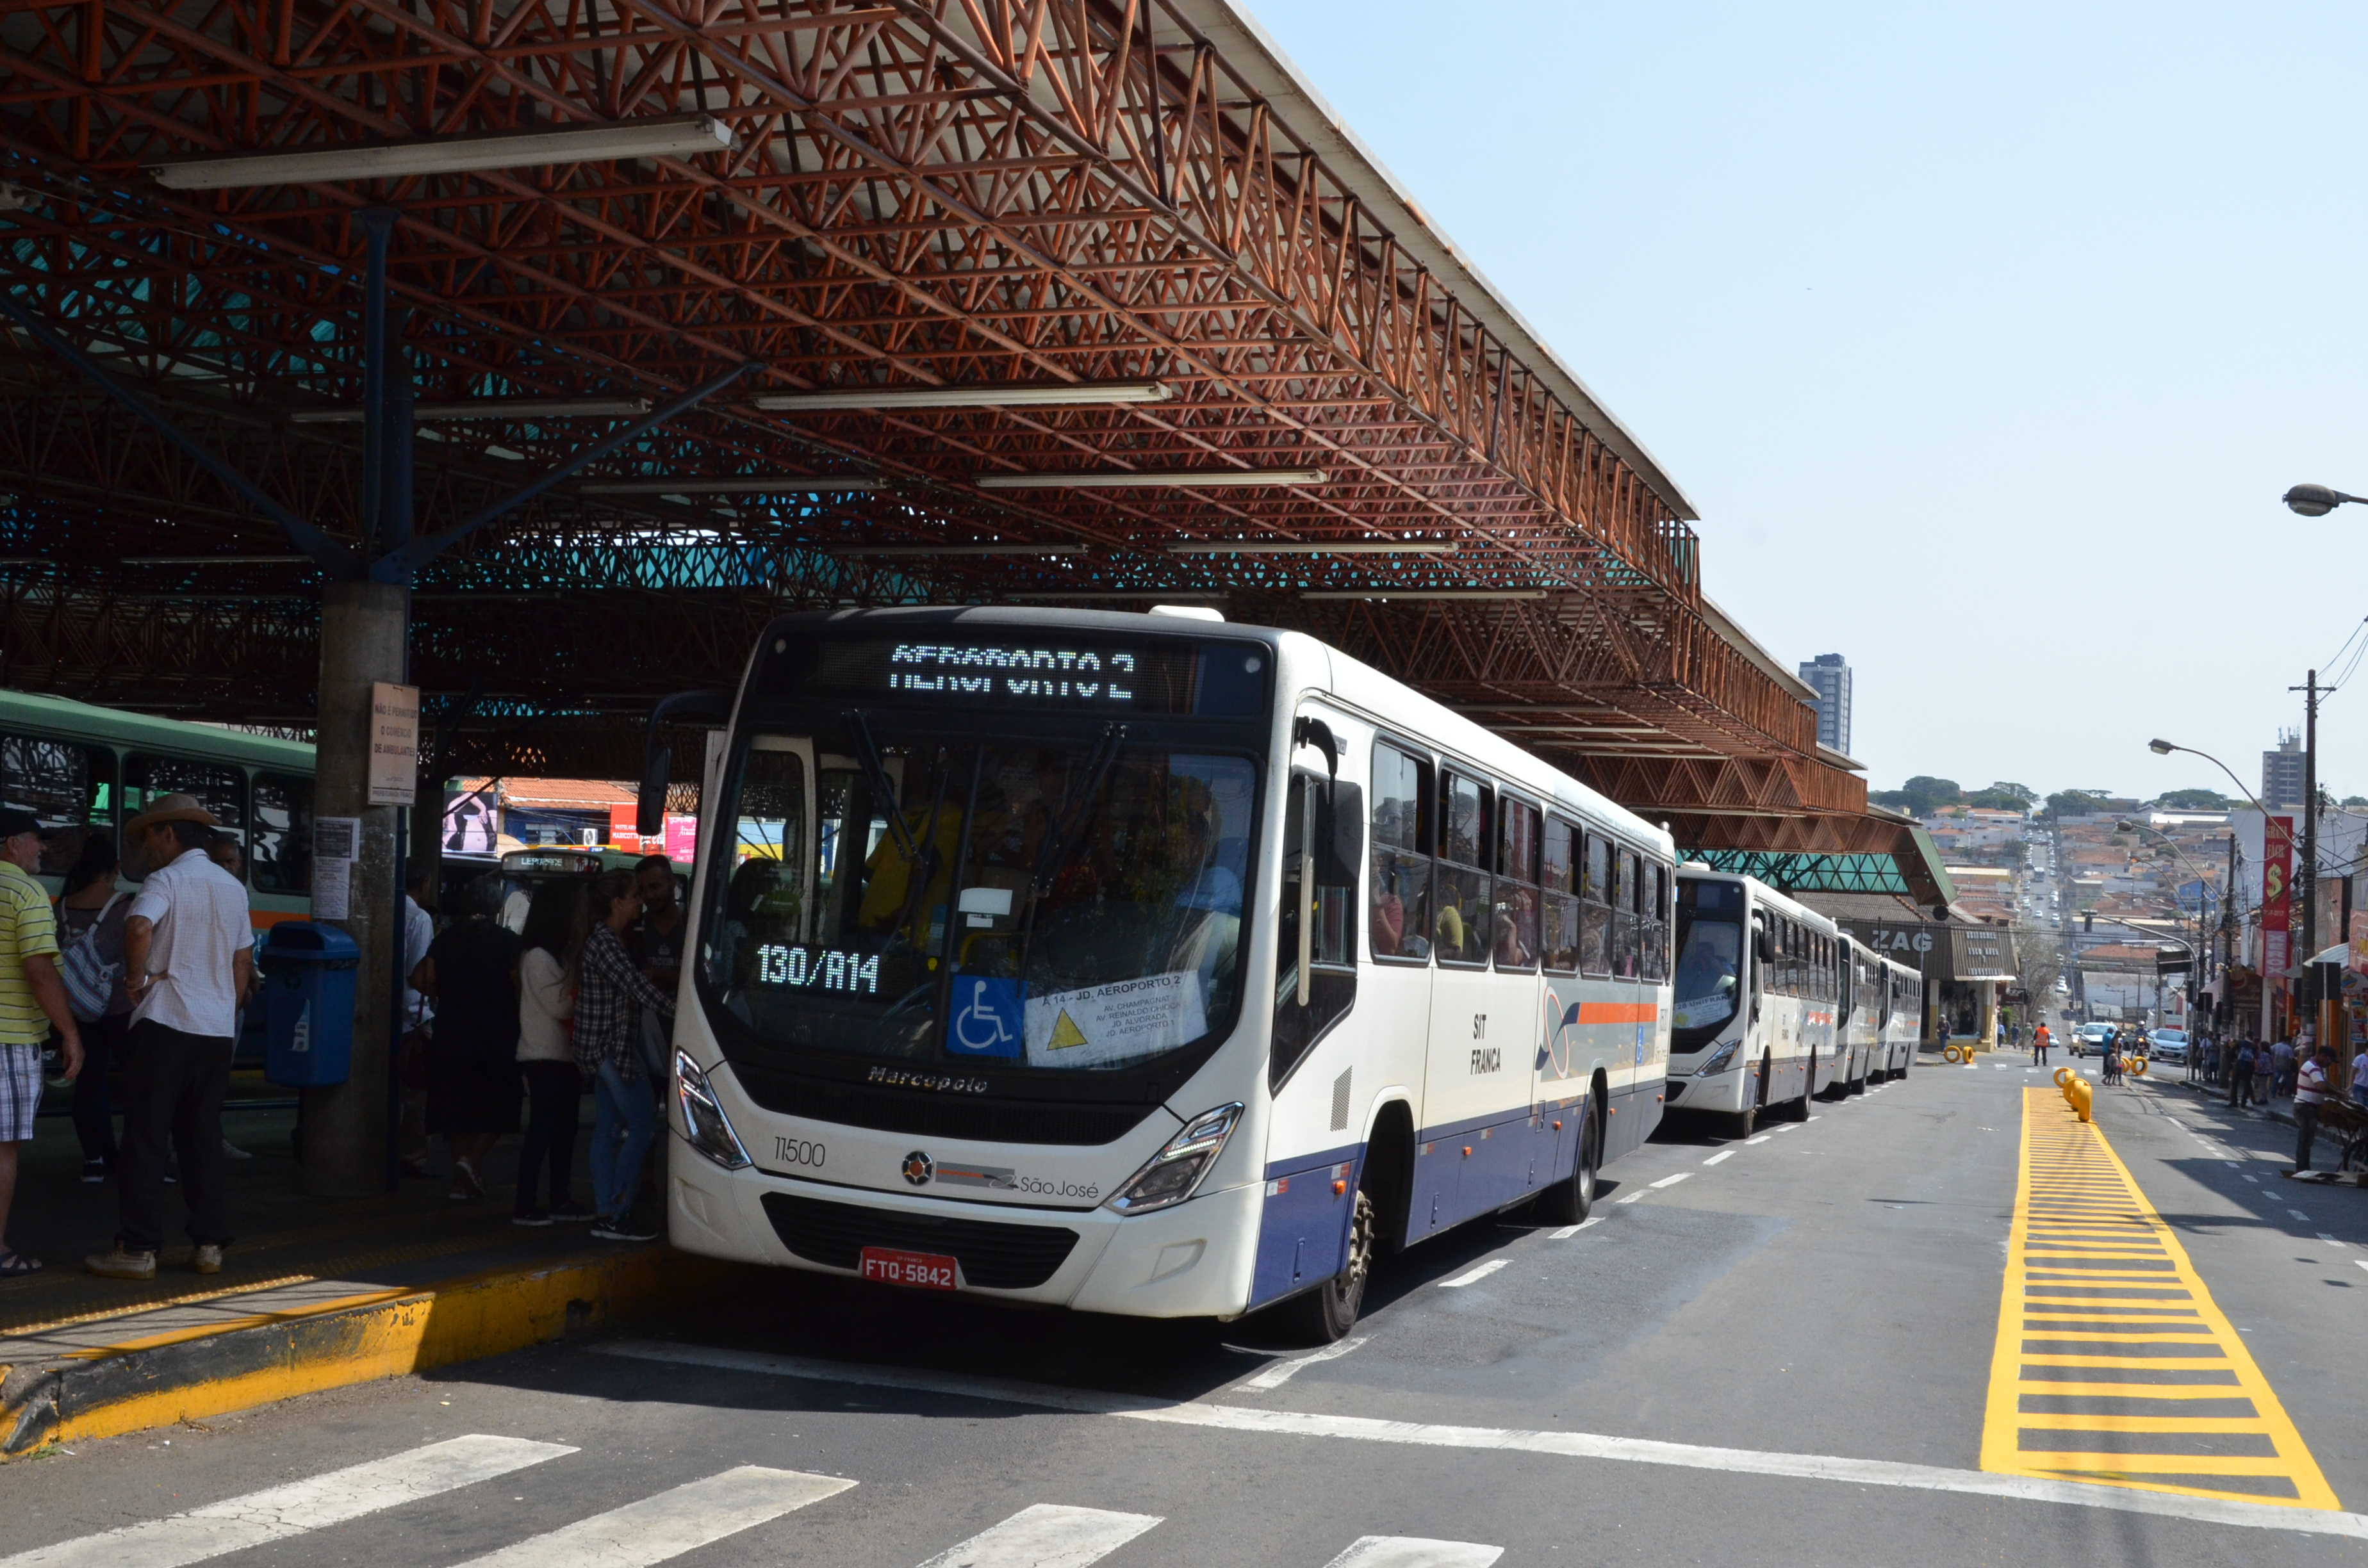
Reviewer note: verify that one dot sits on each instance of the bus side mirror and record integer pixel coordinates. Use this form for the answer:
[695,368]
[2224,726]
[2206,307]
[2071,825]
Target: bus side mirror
[657,759]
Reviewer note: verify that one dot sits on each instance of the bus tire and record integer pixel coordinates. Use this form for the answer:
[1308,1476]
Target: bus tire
[1799,1110]
[1570,1200]
[1745,1122]
[1326,1314]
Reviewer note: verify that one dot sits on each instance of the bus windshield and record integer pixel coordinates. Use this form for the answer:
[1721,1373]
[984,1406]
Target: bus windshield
[1064,905]
[1709,962]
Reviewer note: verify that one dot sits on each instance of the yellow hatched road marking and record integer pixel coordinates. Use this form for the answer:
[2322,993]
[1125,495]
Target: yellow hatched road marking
[2097,1283]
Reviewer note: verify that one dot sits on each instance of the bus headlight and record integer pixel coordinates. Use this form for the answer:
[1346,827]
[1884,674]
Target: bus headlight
[704,1121]
[1175,1173]
[1719,1059]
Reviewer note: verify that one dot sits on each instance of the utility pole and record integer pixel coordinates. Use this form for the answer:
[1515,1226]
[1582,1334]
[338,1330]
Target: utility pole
[2306,873]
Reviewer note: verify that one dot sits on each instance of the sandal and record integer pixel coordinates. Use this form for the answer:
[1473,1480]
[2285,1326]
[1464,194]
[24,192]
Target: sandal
[16,1266]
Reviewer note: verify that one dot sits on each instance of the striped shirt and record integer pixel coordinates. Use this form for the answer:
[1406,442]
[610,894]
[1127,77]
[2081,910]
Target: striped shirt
[610,995]
[28,929]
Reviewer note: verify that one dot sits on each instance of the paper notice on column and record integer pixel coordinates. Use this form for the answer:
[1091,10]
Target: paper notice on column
[336,844]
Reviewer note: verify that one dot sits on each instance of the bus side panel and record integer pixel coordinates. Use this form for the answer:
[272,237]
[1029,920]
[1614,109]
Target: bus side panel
[1304,1222]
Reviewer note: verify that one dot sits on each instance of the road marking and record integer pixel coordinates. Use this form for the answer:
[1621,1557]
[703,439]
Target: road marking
[1670,1180]
[1474,1277]
[2330,1240]
[1761,1138]
[1413,1552]
[1788,1126]
[2362,1262]
[297,1509]
[1281,1372]
[1046,1536]
[673,1522]
[1632,1198]
[2207,1509]
[2107,1335]
[2299,1215]
[1721,1154]
[1569,1230]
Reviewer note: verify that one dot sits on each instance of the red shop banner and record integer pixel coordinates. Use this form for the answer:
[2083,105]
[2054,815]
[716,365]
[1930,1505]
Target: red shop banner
[2277,894]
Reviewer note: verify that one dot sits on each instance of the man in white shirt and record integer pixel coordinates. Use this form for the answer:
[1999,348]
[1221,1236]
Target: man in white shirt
[2310,1093]
[188,957]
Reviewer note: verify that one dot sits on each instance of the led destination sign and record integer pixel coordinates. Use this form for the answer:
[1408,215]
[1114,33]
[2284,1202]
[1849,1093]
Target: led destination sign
[1079,675]
[1103,676]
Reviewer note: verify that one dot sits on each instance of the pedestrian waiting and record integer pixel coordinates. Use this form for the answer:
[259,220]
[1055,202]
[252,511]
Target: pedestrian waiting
[2240,1075]
[91,914]
[611,995]
[2265,1072]
[2310,1094]
[554,942]
[189,959]
[32,1004]
[2282,1065]
[470,975]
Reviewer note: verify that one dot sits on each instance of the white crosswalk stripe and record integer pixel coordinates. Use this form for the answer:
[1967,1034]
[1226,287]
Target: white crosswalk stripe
[1413,1552]
[671,1523]
[300,1507]
[1046,1536]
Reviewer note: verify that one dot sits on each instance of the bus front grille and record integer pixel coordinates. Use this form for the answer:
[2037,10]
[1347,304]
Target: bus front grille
[940,1116]
[993,1256]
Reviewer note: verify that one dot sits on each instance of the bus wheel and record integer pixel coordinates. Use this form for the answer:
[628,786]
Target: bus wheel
[1800,1108]
[1567,1203]
[1745,1122]
[1326,1314]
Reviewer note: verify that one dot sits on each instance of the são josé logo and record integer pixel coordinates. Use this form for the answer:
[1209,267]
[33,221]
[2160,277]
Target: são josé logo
[919,1168]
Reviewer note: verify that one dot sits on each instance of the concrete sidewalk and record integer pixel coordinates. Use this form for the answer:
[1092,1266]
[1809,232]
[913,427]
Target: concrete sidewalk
[314,1294]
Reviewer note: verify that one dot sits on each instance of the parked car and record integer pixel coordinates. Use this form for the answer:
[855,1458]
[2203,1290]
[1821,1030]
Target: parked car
[2167,1045]
[2093,1036]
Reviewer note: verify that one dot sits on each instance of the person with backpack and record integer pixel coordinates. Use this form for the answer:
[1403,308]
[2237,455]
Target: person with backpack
[91,912]
[2240,1076]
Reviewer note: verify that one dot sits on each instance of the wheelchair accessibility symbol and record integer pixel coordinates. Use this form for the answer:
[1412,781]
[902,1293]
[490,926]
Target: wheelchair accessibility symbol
[989,1018]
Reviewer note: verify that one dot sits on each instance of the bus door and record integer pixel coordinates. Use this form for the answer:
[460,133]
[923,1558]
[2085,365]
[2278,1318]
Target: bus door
[1393,1017]
[1477,1072]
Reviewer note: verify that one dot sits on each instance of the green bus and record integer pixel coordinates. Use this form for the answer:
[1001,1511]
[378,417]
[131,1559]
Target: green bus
[84,769]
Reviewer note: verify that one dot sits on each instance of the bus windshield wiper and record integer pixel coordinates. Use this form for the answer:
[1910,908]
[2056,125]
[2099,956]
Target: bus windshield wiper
[876,773]
[1062,832]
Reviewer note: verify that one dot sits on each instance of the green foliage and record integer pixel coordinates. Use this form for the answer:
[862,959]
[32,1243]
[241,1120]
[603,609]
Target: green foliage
[2355,800]
[2078,803]
[2004,796]
[2199,800]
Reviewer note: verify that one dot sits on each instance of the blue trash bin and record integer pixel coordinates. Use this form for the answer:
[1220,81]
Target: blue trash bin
[307,985]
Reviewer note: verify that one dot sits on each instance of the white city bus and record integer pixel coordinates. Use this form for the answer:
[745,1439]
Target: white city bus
[1903,1025]
[1758,984]
[1143,964]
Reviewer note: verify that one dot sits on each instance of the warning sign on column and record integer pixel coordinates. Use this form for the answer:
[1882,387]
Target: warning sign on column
[1119,1022]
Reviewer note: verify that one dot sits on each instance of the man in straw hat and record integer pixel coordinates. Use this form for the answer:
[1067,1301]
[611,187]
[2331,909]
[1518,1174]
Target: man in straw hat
[187,958]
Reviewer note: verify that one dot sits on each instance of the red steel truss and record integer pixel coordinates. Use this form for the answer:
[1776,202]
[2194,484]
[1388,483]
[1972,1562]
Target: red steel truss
[919,193]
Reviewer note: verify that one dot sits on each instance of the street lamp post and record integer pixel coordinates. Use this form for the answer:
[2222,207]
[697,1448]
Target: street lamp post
[2203,889]
[2164,748]
[2318,500]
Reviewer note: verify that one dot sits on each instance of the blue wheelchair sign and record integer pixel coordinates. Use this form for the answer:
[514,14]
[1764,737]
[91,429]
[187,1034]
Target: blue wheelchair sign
[989,1015]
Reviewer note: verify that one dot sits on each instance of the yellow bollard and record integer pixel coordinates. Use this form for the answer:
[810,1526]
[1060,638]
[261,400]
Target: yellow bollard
[2062,1075]
[2135,1067]
[2079,1092]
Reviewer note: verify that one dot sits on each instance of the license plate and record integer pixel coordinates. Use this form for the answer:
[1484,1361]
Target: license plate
[924,1270]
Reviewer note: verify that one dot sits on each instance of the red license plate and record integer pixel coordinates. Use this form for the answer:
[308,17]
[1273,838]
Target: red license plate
[925,1271]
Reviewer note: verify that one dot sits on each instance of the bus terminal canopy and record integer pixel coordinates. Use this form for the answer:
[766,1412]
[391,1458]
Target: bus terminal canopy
[1085,301]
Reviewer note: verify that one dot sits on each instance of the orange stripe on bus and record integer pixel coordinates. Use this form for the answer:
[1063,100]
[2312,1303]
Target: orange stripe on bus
[1617,1012]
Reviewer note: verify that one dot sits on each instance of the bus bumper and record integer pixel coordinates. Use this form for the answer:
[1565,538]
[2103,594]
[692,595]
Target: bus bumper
[1194,1260]
[1723,1092]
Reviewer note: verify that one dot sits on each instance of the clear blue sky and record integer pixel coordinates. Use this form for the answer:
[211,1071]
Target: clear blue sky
[1985,339]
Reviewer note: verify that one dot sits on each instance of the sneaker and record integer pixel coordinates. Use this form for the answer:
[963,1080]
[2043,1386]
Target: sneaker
[122,1265]
[621,1231]
[207,1259]
[529,1217]
[571,1213]
[97,1171]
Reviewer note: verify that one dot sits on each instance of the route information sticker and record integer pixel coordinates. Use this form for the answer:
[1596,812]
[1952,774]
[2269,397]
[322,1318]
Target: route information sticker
[1115,1023]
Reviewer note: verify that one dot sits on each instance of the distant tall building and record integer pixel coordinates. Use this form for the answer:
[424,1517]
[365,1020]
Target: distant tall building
[2281,773]
[1831,677]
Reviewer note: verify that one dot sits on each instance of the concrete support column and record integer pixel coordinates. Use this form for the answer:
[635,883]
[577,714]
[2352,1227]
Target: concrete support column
[364,629]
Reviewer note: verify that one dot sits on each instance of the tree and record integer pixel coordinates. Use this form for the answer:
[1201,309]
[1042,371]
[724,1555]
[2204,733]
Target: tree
[2199,800]
[2038,961]
[1923,795]
[2077,804]
[2004,796]
[2355,800]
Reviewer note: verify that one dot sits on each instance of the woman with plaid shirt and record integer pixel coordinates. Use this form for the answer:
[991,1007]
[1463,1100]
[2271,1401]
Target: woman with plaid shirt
[610,997]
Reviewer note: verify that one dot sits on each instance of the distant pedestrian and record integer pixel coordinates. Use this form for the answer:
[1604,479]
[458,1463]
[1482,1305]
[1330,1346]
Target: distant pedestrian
[91,909]
[611,995]
[471,973]
[2265,1059]
[2210,1063]
[2310,1093]
[188,958]
[418,1013]
[2281,1061]
[2039,1043]
[2112,1073]
[655,944]
[2240,1075]
[2360,1078]
[32,1004]
[552,940]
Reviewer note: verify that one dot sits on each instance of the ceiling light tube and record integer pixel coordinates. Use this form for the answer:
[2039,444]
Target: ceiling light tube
[1027,395]
[1149,479]
[213,560]
[1355,547]
[1432,594]
[787,484]
[669,136]
[493,408]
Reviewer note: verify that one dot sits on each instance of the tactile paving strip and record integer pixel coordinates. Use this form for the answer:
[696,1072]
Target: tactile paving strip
[2113,1363]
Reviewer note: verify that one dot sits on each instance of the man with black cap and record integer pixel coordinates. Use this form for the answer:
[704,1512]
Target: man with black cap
[188,954]
[32,1002]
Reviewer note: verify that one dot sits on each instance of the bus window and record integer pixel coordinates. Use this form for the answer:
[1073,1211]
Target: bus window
[281,854]
[1461,926]
[1320,835]
[1657,923]
[1516,885]
[1710,961]
[1624,905]
[1401,911]
[1595,943]
[763,898]
[66,785]
[220,788]
[1560,859]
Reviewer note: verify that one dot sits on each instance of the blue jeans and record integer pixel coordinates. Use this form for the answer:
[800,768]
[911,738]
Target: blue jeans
[624,1120]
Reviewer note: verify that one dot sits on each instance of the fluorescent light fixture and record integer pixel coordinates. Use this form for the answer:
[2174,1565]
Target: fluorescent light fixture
[493,408]
[669,136]
[1152,479]
[214,560]
[962,550]
[1016,394]
[1355,547]
[1480,593]
[755,484]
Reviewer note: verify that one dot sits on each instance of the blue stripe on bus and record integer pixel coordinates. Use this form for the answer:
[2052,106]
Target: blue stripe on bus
[1304,1222]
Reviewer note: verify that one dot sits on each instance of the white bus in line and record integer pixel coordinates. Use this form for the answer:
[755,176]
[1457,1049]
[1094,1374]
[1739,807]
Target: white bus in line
[1144,965]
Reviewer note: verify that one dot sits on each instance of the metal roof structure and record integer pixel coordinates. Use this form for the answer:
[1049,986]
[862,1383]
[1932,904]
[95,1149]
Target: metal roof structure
[1224,358]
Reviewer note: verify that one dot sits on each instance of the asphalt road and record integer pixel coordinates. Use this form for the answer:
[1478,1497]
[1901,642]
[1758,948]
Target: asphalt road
[1808,1320]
